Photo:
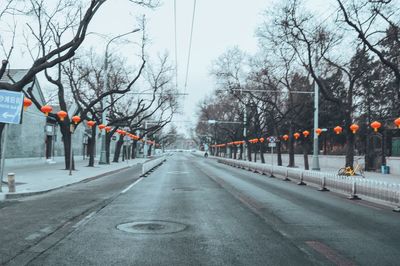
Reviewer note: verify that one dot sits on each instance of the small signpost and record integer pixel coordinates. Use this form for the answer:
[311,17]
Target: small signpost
[10,113]
[272,145]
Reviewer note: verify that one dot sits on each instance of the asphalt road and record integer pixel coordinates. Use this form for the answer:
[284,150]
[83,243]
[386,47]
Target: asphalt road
[194,211]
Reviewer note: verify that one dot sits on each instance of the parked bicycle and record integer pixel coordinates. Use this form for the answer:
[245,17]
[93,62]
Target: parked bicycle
[350,171]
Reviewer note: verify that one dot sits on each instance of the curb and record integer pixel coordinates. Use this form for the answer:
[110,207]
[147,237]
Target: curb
[86,180]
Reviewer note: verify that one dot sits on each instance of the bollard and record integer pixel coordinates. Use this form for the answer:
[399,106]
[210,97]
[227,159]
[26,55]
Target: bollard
[353,195]
[286,175]
[323,186]
[11,182]
[397,208]
[301,183]
[272,172]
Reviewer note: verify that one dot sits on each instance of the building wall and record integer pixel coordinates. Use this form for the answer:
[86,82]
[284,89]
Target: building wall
[27,139]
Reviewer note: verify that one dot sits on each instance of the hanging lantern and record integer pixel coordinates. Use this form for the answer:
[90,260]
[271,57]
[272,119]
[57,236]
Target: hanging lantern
[119,131]
[285,137]
[90,123]
[306,133]
[376,125]
[296,135]
[108,129]
[397,122]
[123,132]
[61,115]
[46,109]
[318,131]
[338,130]
[76,119]
[255,140]
[354,128]
[262,140]
[27,103]
[102,126]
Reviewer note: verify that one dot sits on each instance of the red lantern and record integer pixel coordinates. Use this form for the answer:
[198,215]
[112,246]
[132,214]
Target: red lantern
[296,135]
[354,128]
[46,109]
[397,122]
[76,119]
[108,129]
[306,133]
[62,115]
[102,126]
[255,140]
[90,123]
[27,103]
[338,130]
[262,140]
[376,125]
[285,137]
[318,131]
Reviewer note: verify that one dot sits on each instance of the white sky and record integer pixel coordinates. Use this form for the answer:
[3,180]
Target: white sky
[219,24]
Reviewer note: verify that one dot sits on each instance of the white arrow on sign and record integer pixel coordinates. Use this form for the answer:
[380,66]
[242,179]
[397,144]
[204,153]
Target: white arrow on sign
[7,115]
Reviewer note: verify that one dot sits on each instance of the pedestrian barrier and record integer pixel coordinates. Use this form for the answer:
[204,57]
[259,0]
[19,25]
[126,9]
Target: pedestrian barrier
[149,165]
[352,186]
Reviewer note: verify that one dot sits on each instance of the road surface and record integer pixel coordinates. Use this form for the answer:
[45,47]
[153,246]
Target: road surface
[194,211]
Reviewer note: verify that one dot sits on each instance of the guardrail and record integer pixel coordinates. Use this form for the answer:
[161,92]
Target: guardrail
[352,186]
[149,165]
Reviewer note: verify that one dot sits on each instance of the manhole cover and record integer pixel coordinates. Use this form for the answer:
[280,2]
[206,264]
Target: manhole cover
[152,227]
[183,189]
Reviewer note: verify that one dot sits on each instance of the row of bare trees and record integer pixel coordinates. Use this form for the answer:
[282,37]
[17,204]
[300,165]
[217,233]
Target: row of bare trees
[352,54]
[131,90]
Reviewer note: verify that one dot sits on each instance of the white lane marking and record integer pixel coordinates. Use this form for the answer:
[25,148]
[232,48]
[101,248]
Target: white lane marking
[32,236]
[131,185]
[177,172]
[84,220]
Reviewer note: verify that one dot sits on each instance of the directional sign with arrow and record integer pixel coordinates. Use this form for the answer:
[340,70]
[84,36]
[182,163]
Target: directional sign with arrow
[11,106]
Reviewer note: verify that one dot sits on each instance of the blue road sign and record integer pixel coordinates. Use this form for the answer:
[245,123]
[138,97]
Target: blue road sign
[11,106]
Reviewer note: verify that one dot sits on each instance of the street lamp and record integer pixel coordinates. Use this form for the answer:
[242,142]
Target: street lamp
[103,157]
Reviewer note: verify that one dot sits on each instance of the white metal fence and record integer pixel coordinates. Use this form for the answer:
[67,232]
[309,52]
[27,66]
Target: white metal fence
[147,166]
[352,186]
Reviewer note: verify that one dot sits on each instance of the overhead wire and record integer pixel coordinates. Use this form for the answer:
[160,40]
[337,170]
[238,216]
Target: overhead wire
[176,47]
[190,45]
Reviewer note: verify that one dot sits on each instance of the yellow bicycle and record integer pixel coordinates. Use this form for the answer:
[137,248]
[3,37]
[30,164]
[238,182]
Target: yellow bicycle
[349,171]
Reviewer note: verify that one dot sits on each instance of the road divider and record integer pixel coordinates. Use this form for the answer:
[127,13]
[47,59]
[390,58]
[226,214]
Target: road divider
[149,165]
[354,187]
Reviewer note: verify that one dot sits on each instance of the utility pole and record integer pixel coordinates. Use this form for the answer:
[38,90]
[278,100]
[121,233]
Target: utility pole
[103,155]
[315,158]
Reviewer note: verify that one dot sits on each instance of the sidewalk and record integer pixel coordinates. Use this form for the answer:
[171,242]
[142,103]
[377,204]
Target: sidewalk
[39,178]
[376,176]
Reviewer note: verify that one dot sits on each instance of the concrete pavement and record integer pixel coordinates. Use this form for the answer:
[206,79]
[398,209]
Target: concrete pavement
[41,177]
[194,211]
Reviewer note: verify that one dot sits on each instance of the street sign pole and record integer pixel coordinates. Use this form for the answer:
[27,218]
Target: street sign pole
[3,155]
[10,113]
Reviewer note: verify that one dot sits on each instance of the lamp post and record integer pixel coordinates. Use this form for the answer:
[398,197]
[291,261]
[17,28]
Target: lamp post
[103,156]
[315,158]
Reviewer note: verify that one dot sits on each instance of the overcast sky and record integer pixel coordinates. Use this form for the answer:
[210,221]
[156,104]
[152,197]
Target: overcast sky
[219,25]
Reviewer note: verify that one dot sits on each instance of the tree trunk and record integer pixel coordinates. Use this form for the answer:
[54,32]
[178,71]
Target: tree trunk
[241,152]
[291,147]
[67,141]
[108,144]
[248,152]
[262,153]
[92,147]
[118,146]
[305,154]
[134,149]
[255,153]
[279,152]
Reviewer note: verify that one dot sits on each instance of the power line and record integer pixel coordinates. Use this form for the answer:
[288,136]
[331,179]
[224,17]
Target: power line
[190,43]
[176,47]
